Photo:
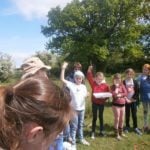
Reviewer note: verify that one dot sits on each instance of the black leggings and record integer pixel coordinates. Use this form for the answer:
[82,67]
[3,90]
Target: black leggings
[133,108]
[95,108]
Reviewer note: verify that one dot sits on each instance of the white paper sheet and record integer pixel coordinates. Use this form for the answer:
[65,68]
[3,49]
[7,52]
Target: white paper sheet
[102,95]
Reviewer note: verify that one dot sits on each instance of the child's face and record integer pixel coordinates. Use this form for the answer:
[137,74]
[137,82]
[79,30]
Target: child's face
[146,71]
[117,81]
[129,75]
[99,79]
[78,79]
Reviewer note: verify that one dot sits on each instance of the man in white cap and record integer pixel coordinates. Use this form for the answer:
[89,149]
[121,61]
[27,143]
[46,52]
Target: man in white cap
[34,65]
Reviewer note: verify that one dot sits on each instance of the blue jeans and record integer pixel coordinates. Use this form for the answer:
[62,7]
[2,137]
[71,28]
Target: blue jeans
[66,132]
[76,126]
[146,112]
[58,143]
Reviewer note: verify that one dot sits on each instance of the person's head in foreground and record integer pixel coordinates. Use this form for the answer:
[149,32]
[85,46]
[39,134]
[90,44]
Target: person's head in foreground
[32,113]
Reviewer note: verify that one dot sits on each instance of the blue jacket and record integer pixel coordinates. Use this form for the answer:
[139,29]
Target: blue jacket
[145,89]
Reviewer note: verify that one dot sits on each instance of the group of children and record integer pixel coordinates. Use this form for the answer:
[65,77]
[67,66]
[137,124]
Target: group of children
[124,93]
[37,114]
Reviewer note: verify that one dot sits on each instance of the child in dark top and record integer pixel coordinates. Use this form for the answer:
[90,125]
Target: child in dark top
[119,94]
[132,88]
[97,84]
[77,66]
[145,96]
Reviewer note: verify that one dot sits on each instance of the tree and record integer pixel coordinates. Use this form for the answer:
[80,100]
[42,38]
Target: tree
[45,56]
[94,30]
[6,67]
[52,60]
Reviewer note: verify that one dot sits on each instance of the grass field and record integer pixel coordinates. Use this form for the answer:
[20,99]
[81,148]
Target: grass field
[132,142]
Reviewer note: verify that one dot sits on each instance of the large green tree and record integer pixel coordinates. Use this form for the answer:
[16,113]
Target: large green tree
[95,30]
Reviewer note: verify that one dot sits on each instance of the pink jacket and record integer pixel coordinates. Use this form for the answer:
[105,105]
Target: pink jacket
[119,94]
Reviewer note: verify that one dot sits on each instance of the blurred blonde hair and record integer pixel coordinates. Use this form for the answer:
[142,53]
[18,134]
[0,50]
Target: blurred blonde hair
[146,66]
[99,74]
[130,70]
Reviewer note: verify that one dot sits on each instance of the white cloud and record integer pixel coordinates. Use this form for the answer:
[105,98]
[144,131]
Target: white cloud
[19,48]
[36,8]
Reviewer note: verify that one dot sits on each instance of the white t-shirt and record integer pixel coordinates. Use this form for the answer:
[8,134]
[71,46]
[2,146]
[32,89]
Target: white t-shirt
[130,88]
[78,94]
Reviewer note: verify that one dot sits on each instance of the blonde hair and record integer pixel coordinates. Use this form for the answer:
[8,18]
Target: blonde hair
[117,76]
[130,70]
[99,74]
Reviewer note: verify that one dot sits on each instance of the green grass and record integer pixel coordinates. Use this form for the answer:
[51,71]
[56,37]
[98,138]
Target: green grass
[132,142]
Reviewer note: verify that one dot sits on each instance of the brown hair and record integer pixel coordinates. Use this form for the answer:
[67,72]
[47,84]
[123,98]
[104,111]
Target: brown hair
[130,70]
[117,76]
[147,66]
[78,65]
[32,100]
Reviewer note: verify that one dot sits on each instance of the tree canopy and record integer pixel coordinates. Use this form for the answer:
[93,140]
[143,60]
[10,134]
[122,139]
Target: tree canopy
[107,33]
[6,67]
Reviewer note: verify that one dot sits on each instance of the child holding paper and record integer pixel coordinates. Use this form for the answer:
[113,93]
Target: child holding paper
[98,85]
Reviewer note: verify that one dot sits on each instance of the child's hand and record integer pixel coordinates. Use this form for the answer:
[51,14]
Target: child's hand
[90,67]
[88,94]
[119,95]
[127,100]
[64,66]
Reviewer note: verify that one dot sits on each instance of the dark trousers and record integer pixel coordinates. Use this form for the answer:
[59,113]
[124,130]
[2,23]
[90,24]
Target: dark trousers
[132,107]
[97,108]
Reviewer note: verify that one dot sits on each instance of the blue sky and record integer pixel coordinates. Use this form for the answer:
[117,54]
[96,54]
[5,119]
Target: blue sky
[20,26]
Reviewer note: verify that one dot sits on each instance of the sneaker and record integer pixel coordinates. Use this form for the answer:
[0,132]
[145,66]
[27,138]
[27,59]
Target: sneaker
[102,133]
[84,142]
[137,131]
[123,135]
[67,146]
[145,129]
[126,130]
[118,137]
[70,140]
[93,135]
[73,147]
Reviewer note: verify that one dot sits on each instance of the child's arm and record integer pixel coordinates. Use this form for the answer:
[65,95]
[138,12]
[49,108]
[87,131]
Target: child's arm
[90,75]
[62,75]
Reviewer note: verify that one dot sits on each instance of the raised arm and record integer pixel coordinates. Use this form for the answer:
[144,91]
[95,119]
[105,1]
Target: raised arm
[62,75]
[90,75]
